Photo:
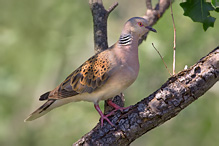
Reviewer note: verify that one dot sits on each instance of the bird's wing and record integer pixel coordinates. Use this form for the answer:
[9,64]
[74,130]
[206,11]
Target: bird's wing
[87,78]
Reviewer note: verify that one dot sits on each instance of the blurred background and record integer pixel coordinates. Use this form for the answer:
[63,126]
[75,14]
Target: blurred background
[42,42]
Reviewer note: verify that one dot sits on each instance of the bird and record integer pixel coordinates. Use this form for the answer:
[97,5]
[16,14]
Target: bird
[103,76]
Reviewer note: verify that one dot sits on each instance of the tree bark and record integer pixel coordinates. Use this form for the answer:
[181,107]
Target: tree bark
[177,93]
[100,16]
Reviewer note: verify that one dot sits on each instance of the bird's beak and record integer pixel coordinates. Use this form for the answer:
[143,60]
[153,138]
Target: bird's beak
[150,28]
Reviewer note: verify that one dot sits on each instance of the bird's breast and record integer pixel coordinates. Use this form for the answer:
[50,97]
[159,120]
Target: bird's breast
[128,73]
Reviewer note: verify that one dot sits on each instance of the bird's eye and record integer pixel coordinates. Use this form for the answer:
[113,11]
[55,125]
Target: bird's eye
[140,24]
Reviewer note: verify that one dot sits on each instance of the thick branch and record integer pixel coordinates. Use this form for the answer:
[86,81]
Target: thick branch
[177,93]
[100,15]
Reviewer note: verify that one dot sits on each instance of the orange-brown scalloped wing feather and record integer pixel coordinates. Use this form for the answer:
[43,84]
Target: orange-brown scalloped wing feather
[87,78]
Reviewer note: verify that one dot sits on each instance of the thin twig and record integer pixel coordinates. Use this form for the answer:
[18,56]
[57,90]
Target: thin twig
[174,41]
[152,16]
[162,59]
[148,4]
[112,7]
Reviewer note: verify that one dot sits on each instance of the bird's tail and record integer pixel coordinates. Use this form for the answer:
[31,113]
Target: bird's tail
[45,108]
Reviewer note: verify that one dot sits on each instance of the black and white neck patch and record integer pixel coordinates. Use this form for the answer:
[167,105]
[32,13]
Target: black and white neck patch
[125,39]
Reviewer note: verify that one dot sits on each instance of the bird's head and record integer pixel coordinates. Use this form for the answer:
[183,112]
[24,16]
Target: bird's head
[138,26]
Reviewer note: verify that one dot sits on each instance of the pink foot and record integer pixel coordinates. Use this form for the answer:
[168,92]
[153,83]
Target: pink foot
[102,116]
[105,117]
[116,107]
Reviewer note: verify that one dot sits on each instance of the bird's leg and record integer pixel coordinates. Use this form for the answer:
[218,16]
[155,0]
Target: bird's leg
[103,117]
[116,107]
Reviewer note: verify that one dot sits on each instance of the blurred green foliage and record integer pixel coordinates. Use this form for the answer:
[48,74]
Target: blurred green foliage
[41,42]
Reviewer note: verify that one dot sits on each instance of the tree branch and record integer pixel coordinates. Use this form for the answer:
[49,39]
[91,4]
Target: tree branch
[148,4]
[100,16]
[153,15]
[177,93]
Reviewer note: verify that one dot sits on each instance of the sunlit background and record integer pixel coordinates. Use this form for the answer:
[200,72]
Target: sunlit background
[41,42]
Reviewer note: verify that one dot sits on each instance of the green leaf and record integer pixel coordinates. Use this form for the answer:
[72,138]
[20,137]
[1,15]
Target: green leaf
[209,22]
[198,11]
